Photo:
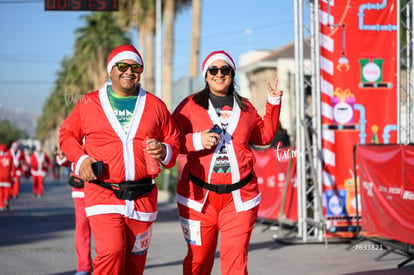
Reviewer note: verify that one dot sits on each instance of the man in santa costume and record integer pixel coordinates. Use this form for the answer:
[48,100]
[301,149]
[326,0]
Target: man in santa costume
[217,191]
[18,162]
[105,136]
[82,227]
[39,166]
[6,176]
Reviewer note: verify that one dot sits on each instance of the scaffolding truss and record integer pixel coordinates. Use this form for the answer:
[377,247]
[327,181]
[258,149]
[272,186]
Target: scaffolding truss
[311,219]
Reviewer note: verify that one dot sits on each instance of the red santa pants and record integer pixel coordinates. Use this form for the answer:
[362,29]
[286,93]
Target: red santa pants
[201,231]
[38,185]
[16,186]
[3,196]
[121,244]
[82,236]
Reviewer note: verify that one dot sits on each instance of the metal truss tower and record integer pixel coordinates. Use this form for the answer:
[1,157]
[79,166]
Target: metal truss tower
[311,222]
[311,219]
[405,73]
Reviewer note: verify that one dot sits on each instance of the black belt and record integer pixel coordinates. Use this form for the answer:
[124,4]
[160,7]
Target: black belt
[128,190]
[221,188]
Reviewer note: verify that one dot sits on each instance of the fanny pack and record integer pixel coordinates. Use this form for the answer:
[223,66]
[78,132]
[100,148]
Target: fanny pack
[128,190]
[221,188]
[76,182]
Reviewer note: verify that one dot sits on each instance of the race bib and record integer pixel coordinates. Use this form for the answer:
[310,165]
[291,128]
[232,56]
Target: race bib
[142,242]
[191,230]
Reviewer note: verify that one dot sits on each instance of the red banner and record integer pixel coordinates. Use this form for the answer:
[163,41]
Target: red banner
[272,170]
[386,176]
[358,82]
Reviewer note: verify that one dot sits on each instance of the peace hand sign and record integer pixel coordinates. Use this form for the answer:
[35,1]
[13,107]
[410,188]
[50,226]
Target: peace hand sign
[273,90]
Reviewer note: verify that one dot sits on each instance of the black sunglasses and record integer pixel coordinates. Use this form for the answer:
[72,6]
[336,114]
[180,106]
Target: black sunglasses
[225,70]
[123,67]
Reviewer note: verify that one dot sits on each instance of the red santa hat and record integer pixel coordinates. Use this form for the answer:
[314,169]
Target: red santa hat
[217,55]
[123,52]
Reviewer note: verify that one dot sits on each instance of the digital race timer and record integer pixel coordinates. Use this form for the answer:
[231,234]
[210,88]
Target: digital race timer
[81,5]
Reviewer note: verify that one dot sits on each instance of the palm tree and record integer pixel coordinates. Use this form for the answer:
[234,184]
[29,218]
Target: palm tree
[195,45]
[140,14]
[170,10]
[84,72]
[169,18]
[95,42]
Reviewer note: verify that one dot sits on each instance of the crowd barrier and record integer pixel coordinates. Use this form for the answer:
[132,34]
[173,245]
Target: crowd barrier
[385,174]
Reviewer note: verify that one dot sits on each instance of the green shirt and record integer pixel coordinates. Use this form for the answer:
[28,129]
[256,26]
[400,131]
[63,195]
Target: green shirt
[123,107]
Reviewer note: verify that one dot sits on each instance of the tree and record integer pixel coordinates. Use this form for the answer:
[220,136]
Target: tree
[195,41]
[8,133]
[95,42]
[167,82]
[84,72]
[140,14]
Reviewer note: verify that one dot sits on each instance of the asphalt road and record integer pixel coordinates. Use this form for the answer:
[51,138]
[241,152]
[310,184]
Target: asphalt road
[37,237]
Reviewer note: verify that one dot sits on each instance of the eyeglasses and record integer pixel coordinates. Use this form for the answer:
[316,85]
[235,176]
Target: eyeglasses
[123,67]
[225,70]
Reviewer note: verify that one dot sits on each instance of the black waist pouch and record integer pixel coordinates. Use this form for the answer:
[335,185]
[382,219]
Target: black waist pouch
[128,190]
[76,182]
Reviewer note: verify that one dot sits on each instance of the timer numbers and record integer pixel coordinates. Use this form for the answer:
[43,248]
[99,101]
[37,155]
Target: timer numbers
[81,5]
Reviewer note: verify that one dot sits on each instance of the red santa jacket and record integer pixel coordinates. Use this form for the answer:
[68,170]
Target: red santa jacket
[244,126]
[92,129]
[18,160]
[6,170]
[39,164]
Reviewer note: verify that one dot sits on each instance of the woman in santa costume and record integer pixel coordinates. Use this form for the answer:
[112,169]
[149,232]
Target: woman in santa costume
[82,227]
[116,125]
[217,190]
[39,167]
[6,176]
[19,162]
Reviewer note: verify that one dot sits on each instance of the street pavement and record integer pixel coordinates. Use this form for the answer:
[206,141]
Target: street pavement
[37,237]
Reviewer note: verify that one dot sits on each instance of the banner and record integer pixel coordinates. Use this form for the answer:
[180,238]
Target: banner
[272,170]
[386,175]
[358,93]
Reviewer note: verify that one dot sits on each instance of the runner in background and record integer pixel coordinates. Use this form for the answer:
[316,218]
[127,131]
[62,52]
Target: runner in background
[18,162]
[82,228]
[6,177]
[26,165]
[40,164]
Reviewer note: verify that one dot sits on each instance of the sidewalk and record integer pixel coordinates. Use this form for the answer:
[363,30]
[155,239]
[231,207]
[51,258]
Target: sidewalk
[37,238]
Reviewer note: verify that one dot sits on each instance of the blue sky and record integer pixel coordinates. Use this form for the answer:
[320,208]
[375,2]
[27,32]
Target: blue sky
[34,42]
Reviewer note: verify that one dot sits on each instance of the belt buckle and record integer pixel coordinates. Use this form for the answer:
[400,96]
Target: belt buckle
[221,188]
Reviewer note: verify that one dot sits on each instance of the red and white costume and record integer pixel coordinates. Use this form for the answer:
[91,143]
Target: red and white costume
[6,176]
[39,167]
[82,227]
[204,214]
[26,165]
[18,161]
[123,157]
[244,126]
[197,205]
